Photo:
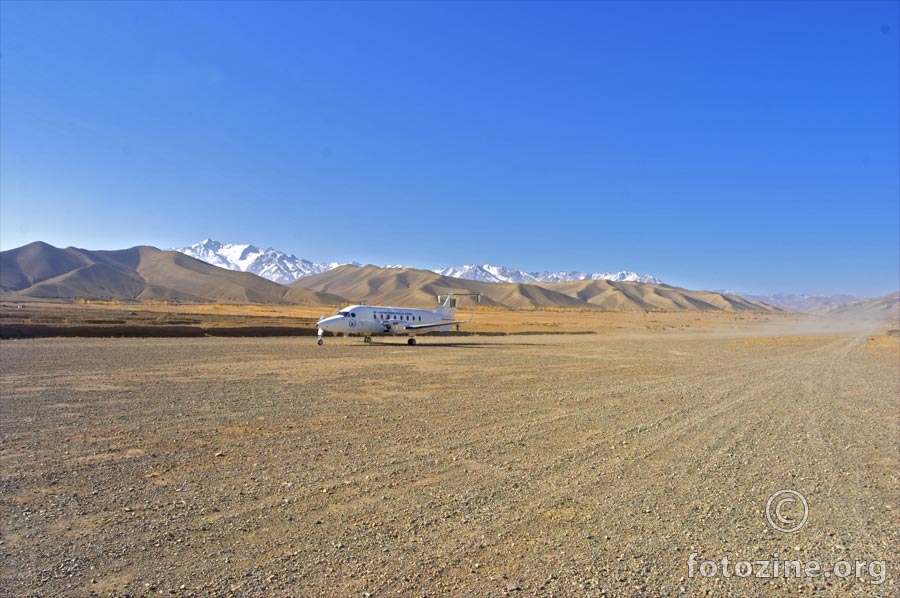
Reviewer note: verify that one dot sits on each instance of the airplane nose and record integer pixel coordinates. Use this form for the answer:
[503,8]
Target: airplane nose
[324,322]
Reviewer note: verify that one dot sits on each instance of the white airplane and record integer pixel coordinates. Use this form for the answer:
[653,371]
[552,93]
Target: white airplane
[374,319]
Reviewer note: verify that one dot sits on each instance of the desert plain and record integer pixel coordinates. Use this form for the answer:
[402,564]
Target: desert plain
[588,454]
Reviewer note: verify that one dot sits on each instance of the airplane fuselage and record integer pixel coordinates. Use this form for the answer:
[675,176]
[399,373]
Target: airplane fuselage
[374,319]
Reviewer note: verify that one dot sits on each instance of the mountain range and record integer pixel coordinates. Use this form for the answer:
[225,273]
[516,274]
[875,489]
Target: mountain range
[285,268]
[801,302]
[270,264]
[419,287]
[879,308]
[41,271]
[489,273]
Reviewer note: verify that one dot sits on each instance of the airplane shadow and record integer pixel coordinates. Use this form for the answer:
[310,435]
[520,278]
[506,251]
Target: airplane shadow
[445,344]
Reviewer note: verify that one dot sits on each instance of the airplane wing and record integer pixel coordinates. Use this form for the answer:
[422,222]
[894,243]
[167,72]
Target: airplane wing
[427,326]
[397,327]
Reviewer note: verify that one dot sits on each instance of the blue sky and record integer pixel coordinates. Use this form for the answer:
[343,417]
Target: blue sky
[752,146]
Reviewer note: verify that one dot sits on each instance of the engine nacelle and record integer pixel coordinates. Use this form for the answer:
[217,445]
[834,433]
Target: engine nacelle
[397,328]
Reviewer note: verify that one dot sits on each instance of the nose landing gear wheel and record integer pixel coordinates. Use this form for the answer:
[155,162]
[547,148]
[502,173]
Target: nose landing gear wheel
[320,342]
[411,341]
[368,339]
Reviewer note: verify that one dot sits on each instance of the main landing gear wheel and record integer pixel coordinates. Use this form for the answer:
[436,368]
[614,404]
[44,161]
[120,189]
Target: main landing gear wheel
[320,342]
[368,339]
[411,341]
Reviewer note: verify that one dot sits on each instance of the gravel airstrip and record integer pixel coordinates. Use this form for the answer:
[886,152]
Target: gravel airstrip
[536,465]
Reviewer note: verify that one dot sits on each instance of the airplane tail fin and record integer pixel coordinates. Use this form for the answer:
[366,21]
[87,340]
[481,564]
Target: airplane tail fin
[448,308]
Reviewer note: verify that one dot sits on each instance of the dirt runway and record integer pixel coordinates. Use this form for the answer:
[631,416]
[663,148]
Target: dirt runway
[537,465]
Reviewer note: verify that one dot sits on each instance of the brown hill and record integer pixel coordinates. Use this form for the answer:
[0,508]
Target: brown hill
[408,286]
[144,273]
[41,271]
[405,286]
[36,262]
[631,296]
[885,308]
[394,286]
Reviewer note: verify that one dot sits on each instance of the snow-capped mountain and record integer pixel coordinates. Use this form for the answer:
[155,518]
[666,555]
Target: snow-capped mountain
[623,276]
[486,273]
[269,263]
[284,268]
[489,273]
